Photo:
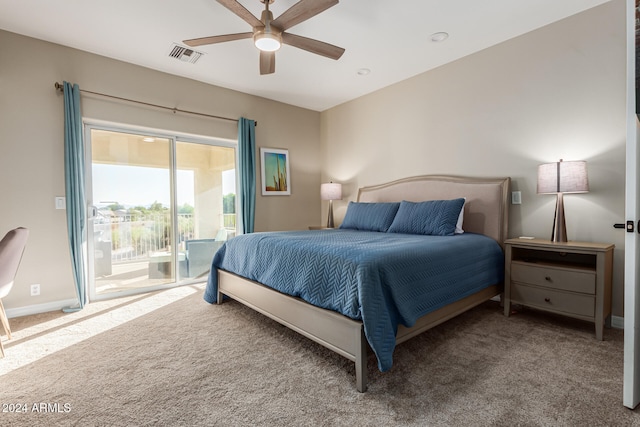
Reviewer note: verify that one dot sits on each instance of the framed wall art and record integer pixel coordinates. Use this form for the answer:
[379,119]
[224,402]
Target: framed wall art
[276,180]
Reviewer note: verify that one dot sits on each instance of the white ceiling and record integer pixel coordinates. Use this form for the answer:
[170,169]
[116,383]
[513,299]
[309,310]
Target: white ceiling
[391,38]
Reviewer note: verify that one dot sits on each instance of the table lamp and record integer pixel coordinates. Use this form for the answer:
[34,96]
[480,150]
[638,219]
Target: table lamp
[560,178]
[330,191]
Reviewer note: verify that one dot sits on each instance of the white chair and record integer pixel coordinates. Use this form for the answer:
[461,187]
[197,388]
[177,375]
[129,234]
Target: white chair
[11,249]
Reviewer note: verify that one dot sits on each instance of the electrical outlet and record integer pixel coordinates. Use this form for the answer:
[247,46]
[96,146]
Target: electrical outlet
[35,289]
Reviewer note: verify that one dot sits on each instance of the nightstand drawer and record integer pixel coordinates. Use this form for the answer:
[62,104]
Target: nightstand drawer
[549,299]
[566,279]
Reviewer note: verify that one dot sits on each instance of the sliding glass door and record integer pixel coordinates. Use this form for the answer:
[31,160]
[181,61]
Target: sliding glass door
[160,208]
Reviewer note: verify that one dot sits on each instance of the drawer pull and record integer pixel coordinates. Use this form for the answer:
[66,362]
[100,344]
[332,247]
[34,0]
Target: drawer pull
[547,299]
[547,278]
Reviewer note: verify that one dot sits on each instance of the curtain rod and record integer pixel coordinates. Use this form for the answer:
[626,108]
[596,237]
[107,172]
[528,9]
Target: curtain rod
[60,87]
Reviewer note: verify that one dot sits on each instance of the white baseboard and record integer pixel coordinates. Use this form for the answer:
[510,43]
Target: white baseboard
[40,308]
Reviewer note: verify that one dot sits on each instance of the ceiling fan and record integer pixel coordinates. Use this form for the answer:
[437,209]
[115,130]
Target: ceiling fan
[269,34]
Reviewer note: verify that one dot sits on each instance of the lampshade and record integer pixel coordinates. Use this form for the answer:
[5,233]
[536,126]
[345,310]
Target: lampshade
[563,177]
[331,191]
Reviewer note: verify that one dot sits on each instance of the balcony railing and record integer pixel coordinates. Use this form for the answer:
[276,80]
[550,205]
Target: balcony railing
[229,221]
[135,236]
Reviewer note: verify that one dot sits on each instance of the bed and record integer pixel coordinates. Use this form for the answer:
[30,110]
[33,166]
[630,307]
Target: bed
[368,287]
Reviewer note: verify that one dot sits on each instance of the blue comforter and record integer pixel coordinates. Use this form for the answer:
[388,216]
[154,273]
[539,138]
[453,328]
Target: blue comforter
[382,279]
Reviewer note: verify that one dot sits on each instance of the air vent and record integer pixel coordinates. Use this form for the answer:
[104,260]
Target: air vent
[184,54]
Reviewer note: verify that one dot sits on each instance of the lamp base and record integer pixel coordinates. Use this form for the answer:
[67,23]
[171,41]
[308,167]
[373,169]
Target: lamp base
[330,217]
[559,232]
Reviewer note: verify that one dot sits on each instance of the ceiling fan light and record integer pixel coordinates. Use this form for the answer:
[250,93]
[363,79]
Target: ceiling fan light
[268,42]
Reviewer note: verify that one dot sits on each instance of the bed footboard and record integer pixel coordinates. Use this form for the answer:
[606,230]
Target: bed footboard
[338,333]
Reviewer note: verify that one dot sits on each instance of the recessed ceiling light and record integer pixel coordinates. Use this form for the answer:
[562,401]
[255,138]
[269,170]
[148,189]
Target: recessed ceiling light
[439,37]
[363,71]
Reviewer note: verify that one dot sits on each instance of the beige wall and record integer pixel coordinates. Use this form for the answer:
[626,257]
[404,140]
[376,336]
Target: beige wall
[558,92]
[32,156]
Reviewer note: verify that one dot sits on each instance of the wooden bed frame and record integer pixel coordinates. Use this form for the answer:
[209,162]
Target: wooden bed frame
[486,212]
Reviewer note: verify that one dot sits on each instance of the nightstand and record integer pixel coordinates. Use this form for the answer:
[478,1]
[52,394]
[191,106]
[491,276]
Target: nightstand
[572,279]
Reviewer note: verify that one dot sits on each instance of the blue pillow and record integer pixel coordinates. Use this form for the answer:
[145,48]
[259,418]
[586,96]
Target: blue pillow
[369,216]
[435,217]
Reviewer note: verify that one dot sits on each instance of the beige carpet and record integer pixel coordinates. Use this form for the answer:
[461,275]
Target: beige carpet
[171,359]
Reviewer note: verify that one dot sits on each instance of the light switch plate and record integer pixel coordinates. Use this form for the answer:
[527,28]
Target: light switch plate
[60,203]
[516,198]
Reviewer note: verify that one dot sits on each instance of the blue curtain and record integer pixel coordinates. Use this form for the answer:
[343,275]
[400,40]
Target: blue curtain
[247,161]
[74,187]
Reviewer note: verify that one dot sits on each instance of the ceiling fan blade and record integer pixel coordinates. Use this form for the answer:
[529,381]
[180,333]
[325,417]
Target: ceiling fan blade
[217,39]
[242,12]
[267,62]
[313,46]
[302,11]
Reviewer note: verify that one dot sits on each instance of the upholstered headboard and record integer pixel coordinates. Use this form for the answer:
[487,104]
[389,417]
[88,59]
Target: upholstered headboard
[485,212]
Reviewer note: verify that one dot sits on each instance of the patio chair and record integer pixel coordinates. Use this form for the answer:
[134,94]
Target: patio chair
[200,253]
[11,249]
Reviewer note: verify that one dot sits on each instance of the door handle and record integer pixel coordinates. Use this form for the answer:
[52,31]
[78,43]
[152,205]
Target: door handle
[629,226]
[93,211]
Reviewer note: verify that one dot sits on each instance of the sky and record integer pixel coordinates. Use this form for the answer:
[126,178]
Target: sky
[142,186]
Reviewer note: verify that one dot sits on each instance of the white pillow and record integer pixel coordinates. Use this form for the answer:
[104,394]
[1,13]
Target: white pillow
[459,229]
